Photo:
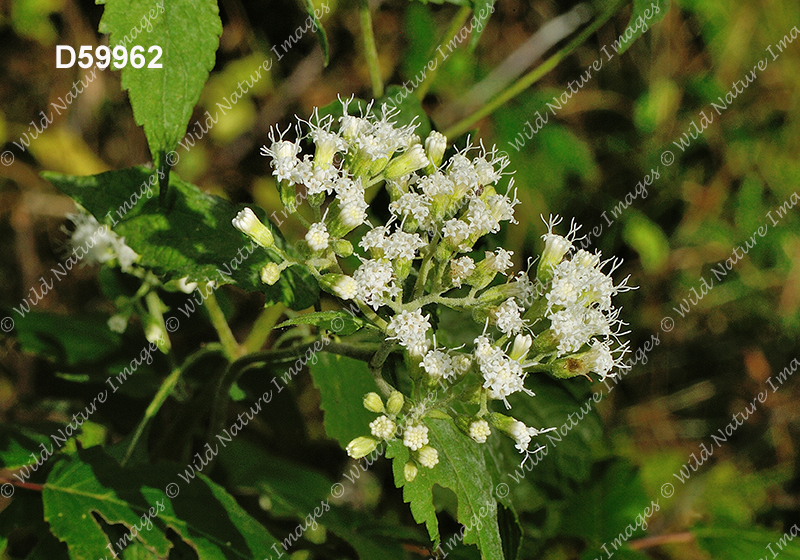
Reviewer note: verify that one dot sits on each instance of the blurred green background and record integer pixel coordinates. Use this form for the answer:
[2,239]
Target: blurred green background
[714,355]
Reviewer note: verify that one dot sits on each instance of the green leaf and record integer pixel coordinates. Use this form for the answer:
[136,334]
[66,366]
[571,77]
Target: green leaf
[192,238]
[17,444]
[187,31]
[203,514]
[728,543]
[341,322]
[295,491]
[568,456]
[481,12]
[321,35]
[342,383]
[463,470]
[606,512]
[409,107]
[66,340]
[646,13]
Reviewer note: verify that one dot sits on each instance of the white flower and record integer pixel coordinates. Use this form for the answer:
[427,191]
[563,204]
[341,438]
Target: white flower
[374,279]
[98,243]
[508,318]
[317,237]
[415,437]
[414,204]
[284,156]
[402,245]
[438,364]
[428,457]
[502,260]
[382,427]
[410,328]
[479,430]
[502,375]
[456,232]
[460,269]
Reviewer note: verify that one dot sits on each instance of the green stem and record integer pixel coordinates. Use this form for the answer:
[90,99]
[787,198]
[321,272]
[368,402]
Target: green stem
[531,77]
[455,26]
[232,350]
[163,392]
[262,328]
[370,51]
[376,366]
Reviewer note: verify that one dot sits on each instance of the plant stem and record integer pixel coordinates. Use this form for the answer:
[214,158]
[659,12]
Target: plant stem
[531,77]
[262,328]
[232,349]
[370,51]
[376,366]
[163,392]
[455,26]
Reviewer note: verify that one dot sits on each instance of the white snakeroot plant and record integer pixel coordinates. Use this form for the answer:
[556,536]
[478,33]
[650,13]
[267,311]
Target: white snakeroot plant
[402,273]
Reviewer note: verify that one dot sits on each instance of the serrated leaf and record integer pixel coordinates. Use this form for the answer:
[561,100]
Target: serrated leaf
[341,322]
[203,514]
[193,237]
[187,31]
[645,14]
[463,470]
[342,383]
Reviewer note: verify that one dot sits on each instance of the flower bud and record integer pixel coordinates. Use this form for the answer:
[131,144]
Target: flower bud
[373,402]
[340,285]
[410,471]
[395,402]
[555,247]
[435,145]
[248,223]
[361,447]
[317,237]
[406,163]
[288,195]
[342,247]
[270,273]
[522,343]
[428,456]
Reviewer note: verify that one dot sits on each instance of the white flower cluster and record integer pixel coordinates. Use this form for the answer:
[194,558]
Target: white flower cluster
[423,256]
[98,243]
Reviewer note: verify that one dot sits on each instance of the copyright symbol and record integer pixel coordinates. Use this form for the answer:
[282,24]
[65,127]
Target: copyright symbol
[173,490]
[501,490]
[667,324]
[173,324]
[337,490]
[337,324]
[667,490]
[7,490]
[173,158]
[7,324]
[7,158]
[667,158]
